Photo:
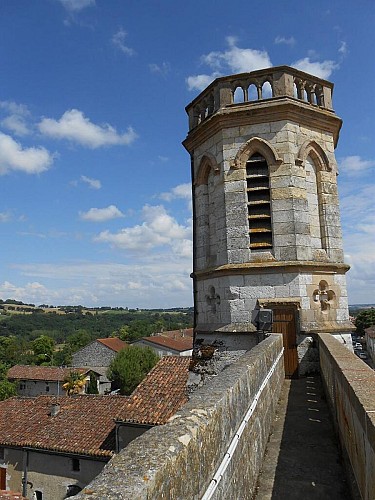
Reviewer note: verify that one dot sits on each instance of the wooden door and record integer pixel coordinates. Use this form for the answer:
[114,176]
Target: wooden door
[284,321]
[3,478]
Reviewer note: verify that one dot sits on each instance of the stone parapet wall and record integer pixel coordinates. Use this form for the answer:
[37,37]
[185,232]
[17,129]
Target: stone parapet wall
[350,387]
[179,460]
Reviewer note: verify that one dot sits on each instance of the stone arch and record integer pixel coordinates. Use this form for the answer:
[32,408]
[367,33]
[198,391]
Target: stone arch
[208,163]
[316,152]
[256,145]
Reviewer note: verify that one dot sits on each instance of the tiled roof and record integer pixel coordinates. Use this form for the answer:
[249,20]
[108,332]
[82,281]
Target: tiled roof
[84,424]
[178,344]
[113,343]
[370,331]
[160,394]
[48,373]
[175,334]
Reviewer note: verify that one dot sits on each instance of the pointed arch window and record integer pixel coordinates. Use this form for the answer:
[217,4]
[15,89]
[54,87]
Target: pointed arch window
[258,203]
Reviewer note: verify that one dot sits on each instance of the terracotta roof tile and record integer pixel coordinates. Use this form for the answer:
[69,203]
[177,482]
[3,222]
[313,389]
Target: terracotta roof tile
[175,334]
[48,373]
[160,394]
[179,344]
[113,343]
[84,424]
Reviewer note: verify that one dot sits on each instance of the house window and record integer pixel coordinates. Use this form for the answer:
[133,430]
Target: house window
[47,388]
[76,465]
[258,203]
[2,453]
[38,495]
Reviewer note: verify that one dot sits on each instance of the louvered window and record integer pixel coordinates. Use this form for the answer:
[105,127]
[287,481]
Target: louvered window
[258,203]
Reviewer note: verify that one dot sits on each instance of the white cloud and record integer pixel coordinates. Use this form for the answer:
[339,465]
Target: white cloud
[75,127]
[200,82]
[232,60]
[180,191]
[352,165]
[13,157]
[93,183]
[320,69]
[5,216]
[118,41]
[101,214]
[76,5]
[16,118]
[162,69]
[286,41]
[161,282]
[343,49]
[158,229]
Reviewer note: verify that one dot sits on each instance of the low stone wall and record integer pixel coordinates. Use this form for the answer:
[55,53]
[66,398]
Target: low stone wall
[179,460]
[350,386]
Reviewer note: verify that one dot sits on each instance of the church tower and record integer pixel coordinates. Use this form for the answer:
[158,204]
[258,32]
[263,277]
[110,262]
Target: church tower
[267,231]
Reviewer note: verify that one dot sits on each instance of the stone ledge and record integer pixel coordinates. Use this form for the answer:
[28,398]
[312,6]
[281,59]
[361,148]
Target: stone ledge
[350,386]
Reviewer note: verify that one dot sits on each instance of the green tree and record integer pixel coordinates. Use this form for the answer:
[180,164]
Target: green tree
[92,387]
[7,389]
[43,350]
[130,366]
[364,320]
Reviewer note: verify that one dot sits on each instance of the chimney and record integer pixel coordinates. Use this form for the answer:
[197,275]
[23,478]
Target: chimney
[55,408]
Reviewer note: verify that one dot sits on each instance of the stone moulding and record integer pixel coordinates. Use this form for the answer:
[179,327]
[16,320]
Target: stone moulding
[271,266]
[256,145]
[266,111]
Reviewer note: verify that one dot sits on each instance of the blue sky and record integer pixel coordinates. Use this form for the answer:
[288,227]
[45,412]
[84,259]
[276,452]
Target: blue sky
[95,204]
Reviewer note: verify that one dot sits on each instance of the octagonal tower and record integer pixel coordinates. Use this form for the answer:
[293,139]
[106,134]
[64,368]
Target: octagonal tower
[267,230]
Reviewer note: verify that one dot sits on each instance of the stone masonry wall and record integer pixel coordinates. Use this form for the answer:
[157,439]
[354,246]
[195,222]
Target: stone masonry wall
[94,354]
[178,460]
[349,385]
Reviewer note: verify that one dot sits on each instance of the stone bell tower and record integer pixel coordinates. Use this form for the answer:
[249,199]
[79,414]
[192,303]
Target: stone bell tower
[267,230]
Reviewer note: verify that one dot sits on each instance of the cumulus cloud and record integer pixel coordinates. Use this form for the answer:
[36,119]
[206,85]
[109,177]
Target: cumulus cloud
[162,69]
[13,157]
[320,69]
[5,216]
[232,60]
[76,5]
[161,282]
[75,127]
[118,40]
[101,214]
[285,41]
[16,119]
[93,183]
[352,165]
[180,191]
[158,229]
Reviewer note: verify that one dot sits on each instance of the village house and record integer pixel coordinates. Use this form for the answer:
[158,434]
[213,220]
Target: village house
[98,353]
[98,356]
[34,380]
[52,447]
[171,343]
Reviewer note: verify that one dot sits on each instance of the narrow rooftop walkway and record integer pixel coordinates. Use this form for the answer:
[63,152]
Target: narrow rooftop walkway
[302,459]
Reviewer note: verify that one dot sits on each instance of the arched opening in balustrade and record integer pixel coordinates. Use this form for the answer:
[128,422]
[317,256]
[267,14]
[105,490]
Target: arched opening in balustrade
[267,91]
[252,92]
[238,95]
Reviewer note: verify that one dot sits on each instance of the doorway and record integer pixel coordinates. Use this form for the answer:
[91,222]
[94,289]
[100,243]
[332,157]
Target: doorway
[284,321]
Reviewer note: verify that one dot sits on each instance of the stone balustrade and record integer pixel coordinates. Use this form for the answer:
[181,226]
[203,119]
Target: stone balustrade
[202,450]
[350,388]
[272,83]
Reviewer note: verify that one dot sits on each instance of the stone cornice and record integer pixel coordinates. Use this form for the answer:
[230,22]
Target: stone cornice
[272,267]
[265,111]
